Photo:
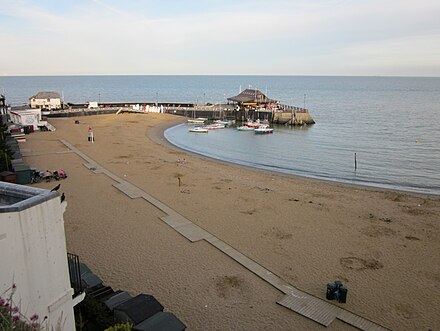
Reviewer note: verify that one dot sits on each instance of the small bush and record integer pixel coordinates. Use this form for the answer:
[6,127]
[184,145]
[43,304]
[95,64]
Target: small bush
[92,315]
[120,327]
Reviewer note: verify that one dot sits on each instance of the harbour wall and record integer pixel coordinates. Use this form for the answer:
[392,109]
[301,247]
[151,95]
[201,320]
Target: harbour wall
[218,111]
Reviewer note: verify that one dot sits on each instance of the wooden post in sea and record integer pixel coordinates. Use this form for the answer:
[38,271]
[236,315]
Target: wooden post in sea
[355,162]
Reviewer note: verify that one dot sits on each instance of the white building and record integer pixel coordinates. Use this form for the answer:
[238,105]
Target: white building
[26,117]
[33,255]
[45,100]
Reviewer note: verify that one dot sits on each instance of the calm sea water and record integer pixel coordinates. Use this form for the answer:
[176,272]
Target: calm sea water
[392,123]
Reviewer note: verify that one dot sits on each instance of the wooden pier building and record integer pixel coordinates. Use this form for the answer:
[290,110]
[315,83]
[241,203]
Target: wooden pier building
[253,104]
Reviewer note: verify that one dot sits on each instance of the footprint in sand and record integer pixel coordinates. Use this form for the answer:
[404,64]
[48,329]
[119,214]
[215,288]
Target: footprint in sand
[376,231]
[412,238]
[356,263]
[227,284]
[278,234]
[248,212]
[405,310]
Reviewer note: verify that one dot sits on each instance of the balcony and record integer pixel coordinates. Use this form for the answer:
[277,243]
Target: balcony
[75,278]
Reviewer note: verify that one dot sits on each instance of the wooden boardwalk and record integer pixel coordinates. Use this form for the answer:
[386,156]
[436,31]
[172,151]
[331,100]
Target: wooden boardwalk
[318,310]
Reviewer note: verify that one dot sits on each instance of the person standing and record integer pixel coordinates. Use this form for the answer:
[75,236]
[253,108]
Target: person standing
[90,135]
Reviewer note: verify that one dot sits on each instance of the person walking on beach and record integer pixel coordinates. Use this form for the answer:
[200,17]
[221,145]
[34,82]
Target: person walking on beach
[90,135]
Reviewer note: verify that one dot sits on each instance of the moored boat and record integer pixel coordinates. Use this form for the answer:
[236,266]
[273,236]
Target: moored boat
[245,128]
[214,126]
[263,129]
[198,129]
[199,120]
[225,122]
[252,124]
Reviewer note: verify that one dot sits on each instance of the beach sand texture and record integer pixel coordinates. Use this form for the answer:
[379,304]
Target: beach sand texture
[383,245]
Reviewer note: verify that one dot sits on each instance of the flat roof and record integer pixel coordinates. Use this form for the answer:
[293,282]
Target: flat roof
[15,197]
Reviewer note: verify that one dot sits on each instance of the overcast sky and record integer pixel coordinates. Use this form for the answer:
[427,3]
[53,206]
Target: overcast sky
[270,37]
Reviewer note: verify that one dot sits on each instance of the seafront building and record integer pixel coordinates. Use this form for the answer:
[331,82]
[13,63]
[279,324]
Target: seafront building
[2,104]
[46,100]
[33,255]
[253,104]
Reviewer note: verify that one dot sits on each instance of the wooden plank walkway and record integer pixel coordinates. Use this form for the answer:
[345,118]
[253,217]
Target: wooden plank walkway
[318,310]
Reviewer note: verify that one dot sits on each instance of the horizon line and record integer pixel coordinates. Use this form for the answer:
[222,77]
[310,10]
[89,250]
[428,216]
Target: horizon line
[251,75]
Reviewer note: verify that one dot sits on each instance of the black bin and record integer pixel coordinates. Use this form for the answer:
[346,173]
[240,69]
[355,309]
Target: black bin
[331,289]
[343,294]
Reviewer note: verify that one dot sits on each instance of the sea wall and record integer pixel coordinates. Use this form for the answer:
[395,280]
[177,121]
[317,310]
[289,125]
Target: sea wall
[297,118]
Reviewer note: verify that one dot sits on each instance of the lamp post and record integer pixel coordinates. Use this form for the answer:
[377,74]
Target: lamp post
[304,101]
[157,99]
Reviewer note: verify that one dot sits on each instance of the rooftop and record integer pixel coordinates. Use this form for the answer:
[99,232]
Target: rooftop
[251,95]
[14,197]
[46,95]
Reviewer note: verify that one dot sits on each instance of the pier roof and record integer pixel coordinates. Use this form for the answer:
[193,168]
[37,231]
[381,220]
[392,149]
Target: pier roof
[251,96]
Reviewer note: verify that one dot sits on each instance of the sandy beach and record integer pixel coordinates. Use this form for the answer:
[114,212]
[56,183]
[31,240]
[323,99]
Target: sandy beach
[384,245]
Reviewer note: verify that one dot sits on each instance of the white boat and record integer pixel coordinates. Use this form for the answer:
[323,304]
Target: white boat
[214,126]
[196,120]
[252,124]
[263,129]
[198,129]
[245,128]
[225,122]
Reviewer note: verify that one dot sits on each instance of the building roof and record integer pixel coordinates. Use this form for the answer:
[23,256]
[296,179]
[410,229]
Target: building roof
[139,308]
[46,95]
[251,95]
[15,198]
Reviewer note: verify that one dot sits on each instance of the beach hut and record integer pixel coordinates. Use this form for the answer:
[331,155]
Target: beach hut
[137,309]
[116,299]
[162,321]
[23,173]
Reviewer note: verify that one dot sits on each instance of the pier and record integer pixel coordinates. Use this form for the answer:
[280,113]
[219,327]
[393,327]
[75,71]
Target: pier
[250,104]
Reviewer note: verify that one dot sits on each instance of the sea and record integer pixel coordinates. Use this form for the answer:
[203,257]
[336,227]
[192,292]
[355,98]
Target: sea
[391,124]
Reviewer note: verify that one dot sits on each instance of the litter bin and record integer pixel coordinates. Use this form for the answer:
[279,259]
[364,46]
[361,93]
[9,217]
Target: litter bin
[331,289]
[343,294]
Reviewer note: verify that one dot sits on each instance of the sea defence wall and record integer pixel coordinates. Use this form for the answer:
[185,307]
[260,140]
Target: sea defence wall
[295,118]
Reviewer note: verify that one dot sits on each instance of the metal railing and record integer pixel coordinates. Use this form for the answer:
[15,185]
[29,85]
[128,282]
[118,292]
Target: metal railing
[74,273]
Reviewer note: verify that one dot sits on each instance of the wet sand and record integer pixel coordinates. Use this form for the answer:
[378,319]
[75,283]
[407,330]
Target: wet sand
[383,245]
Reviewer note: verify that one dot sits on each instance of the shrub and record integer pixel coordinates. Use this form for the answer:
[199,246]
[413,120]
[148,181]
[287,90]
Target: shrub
[92,315]
[12,319]
[120,327]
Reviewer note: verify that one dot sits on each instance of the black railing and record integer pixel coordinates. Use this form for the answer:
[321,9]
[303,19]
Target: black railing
[75,273]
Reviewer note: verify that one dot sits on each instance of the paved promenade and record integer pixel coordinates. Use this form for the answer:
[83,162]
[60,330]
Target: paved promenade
[319,310]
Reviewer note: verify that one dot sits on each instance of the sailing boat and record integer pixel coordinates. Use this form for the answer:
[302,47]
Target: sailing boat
[198,120]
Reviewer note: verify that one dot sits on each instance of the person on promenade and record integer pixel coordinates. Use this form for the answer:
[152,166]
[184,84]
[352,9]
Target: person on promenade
[90,135]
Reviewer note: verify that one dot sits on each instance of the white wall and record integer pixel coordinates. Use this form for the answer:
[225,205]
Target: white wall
[26,117]
[33,256]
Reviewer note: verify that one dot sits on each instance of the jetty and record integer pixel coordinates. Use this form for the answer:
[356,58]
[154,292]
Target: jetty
[250,104]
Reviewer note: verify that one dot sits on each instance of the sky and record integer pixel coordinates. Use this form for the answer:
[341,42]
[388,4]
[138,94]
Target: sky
[220,37]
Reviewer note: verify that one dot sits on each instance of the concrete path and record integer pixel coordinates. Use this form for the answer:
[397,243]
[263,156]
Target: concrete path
[320,311]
